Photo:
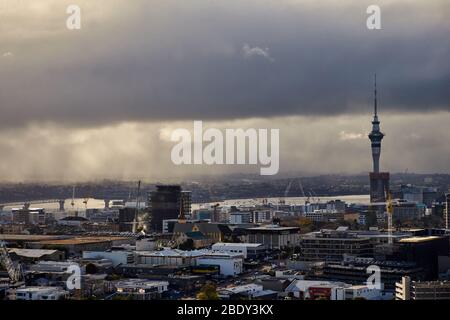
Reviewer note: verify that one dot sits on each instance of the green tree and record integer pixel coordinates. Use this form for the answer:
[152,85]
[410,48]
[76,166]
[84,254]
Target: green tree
[208,292]
[371,219]
[187,245]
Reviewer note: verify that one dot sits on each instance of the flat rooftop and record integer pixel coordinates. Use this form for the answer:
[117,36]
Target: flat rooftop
[80,240]
[231,244]
[418,239]
[32,253]
[273,228]
[30,237]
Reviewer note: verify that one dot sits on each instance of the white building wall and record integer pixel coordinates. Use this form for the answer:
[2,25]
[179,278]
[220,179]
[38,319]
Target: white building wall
[235,248]
[228,266]
[116,257]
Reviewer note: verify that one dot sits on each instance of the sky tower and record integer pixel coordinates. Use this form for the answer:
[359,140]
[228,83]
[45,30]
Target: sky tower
[376,135]
[379,181]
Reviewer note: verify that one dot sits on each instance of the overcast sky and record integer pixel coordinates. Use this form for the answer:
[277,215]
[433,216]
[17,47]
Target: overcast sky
[100,102]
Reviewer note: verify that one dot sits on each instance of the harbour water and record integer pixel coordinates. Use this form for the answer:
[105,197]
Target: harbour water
[92,203]
[288,200]
[79,205]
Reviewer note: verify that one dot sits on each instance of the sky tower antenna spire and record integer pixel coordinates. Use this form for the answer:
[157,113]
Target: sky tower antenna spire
[375,97]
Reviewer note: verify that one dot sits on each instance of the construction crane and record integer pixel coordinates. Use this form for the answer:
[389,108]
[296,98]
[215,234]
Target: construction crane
[138,194]
[72,203]
[302,191]
[14,270]
[282,201]
[390,211]
[85,201]
[215,216]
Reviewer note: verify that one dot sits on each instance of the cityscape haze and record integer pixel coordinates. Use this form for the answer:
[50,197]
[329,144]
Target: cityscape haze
[259,153]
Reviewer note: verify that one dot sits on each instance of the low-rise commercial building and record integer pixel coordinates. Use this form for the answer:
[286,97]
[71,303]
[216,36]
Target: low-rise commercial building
[39,293]
[356,292]
[248,250]
[273,236]
[138,289]
[117,257]
[169,257]
[230,264]
[248,291]
[312,289]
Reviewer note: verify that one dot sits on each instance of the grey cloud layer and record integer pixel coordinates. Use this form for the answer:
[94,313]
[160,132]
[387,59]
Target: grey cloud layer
[415,142]
[173,59]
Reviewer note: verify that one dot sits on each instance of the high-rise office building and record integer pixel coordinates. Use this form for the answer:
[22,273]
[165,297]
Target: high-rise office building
[127,217]
[379,181]
[447,211]
[168,202]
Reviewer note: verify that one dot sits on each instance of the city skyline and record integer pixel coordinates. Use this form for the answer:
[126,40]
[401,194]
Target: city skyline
[259,153]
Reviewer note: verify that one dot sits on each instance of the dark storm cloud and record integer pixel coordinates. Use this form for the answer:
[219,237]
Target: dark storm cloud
[169,60]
